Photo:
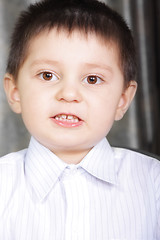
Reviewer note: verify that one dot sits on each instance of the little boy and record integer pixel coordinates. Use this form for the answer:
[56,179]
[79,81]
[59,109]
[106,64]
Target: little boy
[71,74]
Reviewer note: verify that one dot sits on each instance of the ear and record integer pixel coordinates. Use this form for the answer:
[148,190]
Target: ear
[12,93]
[125,100]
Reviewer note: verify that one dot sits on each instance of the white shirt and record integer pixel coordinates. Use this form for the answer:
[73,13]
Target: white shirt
[112,194]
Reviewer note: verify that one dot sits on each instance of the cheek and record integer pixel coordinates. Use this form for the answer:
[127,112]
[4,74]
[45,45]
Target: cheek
[32,110]
[101,104]
[33,99]
[103,110]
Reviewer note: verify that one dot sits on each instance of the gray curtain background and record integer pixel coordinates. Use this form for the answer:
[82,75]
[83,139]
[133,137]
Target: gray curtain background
[139,129]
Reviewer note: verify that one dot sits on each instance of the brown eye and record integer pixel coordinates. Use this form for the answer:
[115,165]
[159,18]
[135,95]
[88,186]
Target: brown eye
[93,79]
[48,76]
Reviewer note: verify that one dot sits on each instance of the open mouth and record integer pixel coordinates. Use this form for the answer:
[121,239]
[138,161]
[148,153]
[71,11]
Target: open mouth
[67,120]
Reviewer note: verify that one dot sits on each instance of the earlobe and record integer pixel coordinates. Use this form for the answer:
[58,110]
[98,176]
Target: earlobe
[125,100]
[12,93]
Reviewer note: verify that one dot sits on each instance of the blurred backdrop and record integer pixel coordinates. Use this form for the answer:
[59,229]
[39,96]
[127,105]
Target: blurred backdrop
[139,129]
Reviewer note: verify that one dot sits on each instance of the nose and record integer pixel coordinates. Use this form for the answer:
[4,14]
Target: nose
[69,92]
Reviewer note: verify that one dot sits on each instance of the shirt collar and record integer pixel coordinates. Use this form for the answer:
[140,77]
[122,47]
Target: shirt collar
[43,168]
[101,163]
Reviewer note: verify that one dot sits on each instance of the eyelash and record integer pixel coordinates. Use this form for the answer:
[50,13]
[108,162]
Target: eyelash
[93,78]
[98,79]
[49,73]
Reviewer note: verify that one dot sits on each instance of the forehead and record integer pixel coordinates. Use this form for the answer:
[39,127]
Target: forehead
[74,44]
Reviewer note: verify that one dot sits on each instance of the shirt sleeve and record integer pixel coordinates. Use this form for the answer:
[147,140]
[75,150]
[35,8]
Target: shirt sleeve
[6,189]
[10,169]
[156,178]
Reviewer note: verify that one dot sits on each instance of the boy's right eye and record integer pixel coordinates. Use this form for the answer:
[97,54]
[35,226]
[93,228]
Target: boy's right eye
[48,76]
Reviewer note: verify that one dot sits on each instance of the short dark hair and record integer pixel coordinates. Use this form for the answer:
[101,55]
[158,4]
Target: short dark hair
[83,15]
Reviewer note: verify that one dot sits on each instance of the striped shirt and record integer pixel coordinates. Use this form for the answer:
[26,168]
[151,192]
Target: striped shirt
[111,194]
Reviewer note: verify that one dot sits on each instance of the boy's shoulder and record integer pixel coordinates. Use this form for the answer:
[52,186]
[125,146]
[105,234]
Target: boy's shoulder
[13,158]
[136,161]
[11,165]
[137,154]
[11,175]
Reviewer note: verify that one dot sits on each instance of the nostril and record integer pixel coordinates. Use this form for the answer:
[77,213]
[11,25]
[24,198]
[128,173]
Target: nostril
[69,94]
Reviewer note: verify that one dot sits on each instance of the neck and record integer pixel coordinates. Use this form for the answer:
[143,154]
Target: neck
[71,157]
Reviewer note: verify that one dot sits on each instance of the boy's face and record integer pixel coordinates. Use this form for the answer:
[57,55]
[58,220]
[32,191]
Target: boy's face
[69,90]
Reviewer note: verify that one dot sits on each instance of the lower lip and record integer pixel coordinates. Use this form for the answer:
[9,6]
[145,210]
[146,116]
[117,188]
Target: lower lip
[66,124]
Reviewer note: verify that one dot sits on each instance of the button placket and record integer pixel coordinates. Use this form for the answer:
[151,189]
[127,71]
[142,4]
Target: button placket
[77,201]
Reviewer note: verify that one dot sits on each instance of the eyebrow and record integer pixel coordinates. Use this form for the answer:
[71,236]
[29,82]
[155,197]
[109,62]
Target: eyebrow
[85,64]
[100,66]
[47,61]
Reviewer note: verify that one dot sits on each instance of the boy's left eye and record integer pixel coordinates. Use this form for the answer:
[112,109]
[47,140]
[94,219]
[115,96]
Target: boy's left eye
[48,76]
[93,79]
